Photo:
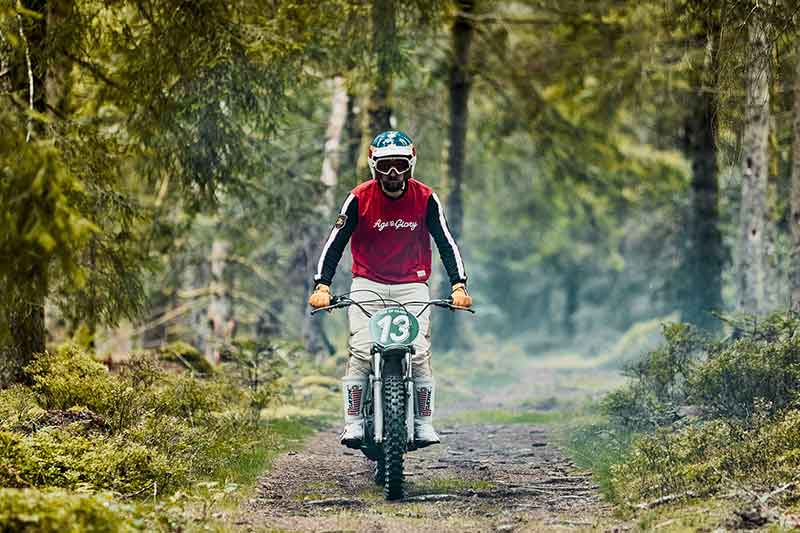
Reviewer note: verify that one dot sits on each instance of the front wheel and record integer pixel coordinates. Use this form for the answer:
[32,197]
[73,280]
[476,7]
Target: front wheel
[379,471]
[394,440]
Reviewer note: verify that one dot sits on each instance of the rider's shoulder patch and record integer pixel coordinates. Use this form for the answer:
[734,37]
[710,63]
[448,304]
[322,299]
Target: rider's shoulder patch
[341,220]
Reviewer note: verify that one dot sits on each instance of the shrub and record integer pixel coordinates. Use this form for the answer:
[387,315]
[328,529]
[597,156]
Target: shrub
[746,390]
[664,371]
[709,457]
[659,382]
[187,356]
[666,462]
[63,458]
[69,377]
[722,379]
[132,433]
[18,408]
[637,408]
[56,511]
[257,368]
[740,373]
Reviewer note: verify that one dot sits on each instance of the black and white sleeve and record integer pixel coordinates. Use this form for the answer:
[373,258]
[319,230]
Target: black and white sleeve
[448,249]
[332,251]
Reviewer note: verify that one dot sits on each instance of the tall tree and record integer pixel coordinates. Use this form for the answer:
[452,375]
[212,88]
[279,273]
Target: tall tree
[313,238]
[794,217]
[386,56]
[753,216]
[220,306]
[459,85]
[701,280]
[27,291]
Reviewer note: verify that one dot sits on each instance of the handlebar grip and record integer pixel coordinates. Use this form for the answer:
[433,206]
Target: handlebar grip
[336,301]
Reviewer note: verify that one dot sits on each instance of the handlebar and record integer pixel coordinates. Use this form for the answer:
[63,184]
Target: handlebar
[339,302]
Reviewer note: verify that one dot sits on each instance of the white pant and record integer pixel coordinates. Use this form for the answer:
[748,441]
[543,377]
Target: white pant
[360,362]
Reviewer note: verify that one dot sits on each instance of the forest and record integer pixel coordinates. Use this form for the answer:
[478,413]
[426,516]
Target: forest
[623,181]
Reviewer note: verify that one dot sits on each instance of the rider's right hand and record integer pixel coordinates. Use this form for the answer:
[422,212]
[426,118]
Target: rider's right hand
[460,297]
[321,297]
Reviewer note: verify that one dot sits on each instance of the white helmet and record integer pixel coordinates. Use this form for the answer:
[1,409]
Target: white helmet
[391,144]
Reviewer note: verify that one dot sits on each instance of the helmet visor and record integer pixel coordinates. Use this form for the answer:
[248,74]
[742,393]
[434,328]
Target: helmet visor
[399,164]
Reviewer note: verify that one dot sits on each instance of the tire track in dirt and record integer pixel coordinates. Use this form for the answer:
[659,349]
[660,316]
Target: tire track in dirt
[481,478]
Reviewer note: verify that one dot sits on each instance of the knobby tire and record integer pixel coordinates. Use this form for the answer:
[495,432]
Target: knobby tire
[394,440]
[379,472]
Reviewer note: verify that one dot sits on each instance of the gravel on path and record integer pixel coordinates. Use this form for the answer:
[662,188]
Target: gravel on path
[481,478]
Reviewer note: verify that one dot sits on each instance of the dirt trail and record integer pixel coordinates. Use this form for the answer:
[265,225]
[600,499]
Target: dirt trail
[481,478]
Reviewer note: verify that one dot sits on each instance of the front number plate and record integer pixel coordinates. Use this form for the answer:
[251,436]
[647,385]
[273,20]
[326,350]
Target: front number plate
[393,327]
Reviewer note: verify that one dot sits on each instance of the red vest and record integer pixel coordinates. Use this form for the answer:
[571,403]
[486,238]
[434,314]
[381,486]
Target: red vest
[391,243]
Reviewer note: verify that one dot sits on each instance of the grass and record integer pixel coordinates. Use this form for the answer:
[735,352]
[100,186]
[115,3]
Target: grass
[276,437]
[695,515]
[592,445]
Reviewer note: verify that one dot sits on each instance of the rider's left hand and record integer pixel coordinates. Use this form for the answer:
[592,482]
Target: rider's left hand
[460,296]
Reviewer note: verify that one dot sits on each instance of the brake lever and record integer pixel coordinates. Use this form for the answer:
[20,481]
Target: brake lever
[447,304]
[336,302]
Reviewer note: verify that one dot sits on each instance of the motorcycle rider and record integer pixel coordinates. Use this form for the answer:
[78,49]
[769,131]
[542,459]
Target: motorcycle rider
[389,219]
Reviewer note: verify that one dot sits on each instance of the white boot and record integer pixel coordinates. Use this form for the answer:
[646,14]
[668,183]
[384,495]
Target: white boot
[353,391]
[424,393]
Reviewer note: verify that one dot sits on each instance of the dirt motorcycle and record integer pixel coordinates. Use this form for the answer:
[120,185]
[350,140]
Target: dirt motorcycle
[389,399]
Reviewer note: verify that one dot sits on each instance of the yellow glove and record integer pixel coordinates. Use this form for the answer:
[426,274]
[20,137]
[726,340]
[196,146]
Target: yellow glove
[460,296]
[321,297]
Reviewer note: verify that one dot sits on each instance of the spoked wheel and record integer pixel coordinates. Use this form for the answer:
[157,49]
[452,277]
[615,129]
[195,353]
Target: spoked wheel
[394,438]
[379,472]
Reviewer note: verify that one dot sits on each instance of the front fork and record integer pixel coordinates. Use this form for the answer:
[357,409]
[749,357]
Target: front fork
[377,395]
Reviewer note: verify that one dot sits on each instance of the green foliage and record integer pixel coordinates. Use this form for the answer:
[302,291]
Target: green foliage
[18,407]
[762,366]
[659,381]
[598,447]
[709,457]
[257,367]
[39,202]
[57,511]
[710,414]
[62,457]
[729,378]
[141,430]
[186,443]
[186,355]
[68,378]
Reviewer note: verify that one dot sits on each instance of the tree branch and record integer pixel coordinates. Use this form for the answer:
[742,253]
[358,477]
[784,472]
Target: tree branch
[505,20]
[91,67]
[30,77]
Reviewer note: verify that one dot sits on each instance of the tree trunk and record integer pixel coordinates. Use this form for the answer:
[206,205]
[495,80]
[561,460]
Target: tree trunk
[384,46]
[58,81]
[313,333]
[220,306]
[26,299]
[354,134]
[459,84]
[25,316]
[701,281]
[572,286]
[752,253]
[194,284]
[794,220]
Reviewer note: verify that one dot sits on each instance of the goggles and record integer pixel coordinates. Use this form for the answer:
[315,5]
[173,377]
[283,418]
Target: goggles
[399,164]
